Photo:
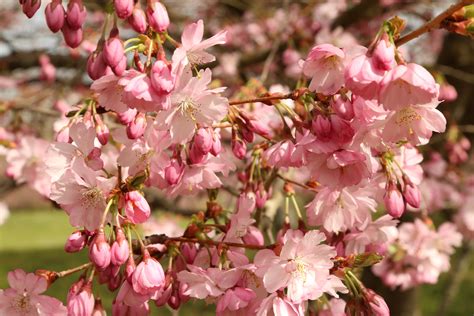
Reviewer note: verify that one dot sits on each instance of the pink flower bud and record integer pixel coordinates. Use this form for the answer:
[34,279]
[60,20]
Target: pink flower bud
[258,127]
[80,301]
[96,66]
[174,301]
[130,268]
[127,116]
[247,134]
[30,7]
[136,207]
[55,15]
[239,148]
[412,195]
[393,200]
[189,252]
[72,37]
[113,49]
[120,68]
[102,131]
[203,140]
[216,145]
[76,241]
[321,127]
[342,107]
[99,251]
[162,79]
[173,172]
[138,20]
[383,57]
[114,282]
[76,14]
[157,16]
[376,303]
[149,276]
[137,127]
[447,92]
[123,8]
[195,155]
[120,250]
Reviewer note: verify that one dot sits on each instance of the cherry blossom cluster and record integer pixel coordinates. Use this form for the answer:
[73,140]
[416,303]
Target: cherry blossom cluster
[346,136]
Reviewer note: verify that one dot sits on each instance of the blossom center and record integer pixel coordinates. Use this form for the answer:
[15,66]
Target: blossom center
[22,303]
[188,107]
[406,116]
[92,197]
[298,269]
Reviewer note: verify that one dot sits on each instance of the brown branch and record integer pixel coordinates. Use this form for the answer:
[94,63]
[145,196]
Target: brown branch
[264,99]
[433,24]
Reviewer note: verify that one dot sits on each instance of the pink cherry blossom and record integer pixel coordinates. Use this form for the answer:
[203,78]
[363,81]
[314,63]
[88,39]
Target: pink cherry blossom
[193,48]
[274,305]
[302,267]
[24,297]
[325,66]
[192,103]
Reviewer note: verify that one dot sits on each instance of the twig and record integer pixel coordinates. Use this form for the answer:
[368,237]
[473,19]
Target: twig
[73,270]
[433,24]
[264,99]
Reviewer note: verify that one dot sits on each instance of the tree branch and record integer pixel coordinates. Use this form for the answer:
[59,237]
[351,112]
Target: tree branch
[433,24]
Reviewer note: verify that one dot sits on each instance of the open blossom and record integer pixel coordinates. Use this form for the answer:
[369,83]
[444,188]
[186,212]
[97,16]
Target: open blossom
[25,164]
[339,210]
[192,103]
[302,267]
[325,66]
[408,85]
[82,193]
[275,305]
[24,297]
[193,48]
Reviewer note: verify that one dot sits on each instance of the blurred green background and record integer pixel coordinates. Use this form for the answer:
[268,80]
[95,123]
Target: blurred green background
[34,239]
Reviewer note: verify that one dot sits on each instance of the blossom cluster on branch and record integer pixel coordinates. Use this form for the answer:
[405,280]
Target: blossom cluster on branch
[347,135]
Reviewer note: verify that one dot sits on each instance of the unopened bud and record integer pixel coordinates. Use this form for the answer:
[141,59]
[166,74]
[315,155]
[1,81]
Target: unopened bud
[393,200]
[55,15]
[99,252]
[157,16]
[76,241]
[123,8]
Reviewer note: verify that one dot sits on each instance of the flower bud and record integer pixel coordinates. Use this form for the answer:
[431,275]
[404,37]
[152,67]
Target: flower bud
[203,140]
[123,8]
[93,160]
[261,197]
[121,66]
[321,127]
[412,195]
[127,116]
[120,250]
[174,301]
[157,16]
[76,14]
[162,79]
[258,127]
[136,207]
[239,148]
[102,131]
[195,155]
[376,303]
[72,37]
[130,268]
[173,172]
[48,71]
[393,200]
[29,7]
[138,20]
[113,49]
[247,134]
[55,15]
[114,282]
[137,127]
[149,276]
[76,241]
[383,57]
[99,251]
[216,145]
[96,66]
[189,252]
[80,300]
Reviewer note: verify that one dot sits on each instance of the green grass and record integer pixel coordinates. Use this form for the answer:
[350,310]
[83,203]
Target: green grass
[33,240]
